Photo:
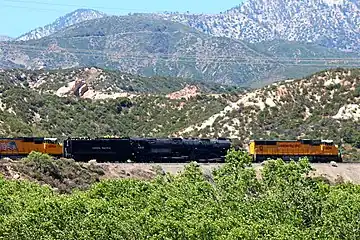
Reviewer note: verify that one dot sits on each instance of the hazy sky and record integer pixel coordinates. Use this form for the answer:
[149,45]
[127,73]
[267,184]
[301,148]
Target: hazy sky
[20,16]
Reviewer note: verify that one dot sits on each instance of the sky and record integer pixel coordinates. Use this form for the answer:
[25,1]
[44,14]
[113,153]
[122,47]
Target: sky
[20,16]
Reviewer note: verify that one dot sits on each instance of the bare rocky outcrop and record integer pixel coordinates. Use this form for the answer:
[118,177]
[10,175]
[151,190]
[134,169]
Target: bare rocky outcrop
[187,92]
[81,84]
[346,171]
[79,88]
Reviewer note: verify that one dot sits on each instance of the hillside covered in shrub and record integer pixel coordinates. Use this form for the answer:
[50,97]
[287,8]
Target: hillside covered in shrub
[50,103]
[324,105]
[230,203]
[105,81]
[30,104]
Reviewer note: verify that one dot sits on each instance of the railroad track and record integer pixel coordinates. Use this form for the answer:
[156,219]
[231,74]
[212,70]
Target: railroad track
[207,164]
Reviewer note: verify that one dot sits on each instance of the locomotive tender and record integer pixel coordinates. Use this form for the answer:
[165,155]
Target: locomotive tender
[147,149]
[167,149]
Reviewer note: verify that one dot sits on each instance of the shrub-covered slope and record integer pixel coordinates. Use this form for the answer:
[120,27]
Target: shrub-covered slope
[324,105]
[100,81]
[31,104]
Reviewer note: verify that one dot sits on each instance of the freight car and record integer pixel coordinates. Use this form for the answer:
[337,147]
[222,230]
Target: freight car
[147,149]
[314,150]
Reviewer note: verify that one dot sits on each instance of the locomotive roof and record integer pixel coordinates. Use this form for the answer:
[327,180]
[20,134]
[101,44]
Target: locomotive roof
[31,139]
[303,141]
[151,138]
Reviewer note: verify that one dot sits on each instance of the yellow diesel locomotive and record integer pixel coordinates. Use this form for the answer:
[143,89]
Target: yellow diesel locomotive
[314,150]
[22,146]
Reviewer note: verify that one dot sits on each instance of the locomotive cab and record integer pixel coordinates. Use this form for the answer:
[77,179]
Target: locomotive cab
[53,147]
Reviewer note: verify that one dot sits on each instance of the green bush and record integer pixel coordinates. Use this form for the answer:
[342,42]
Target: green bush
[63,174]
[230,203]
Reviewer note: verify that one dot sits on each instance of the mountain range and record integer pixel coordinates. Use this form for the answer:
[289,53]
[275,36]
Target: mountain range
[257,42]
[329,23]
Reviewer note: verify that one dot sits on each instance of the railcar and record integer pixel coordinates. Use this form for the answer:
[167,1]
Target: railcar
[146,149]
[101,149]
[23,146]
[314,150]
[179,149]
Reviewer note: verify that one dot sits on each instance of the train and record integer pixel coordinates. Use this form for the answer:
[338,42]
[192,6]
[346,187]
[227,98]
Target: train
[167,150]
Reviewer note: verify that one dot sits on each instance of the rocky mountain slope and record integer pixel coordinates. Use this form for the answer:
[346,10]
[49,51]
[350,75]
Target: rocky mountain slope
[330,23]
[151,46]
[324,105]
[77,16]
[5,38]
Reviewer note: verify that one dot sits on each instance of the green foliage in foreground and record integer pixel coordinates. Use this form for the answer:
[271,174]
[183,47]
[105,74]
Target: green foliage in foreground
[63,174]
[230,204]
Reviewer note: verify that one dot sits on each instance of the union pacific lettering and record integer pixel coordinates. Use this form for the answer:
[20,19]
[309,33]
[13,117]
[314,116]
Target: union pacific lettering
[8,146]
[289,145]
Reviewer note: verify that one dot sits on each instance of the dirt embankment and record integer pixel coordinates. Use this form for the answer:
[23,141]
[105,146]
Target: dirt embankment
[340,171]
[66,175]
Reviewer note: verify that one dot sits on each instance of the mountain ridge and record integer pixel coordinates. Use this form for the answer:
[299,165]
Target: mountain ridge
[72,18]
[138,44]
[97,83]
[266,20]
[4,38]
[150,46]
[329,23]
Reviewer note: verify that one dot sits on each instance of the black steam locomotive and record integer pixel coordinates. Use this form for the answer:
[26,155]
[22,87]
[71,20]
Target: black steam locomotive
[147,149]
